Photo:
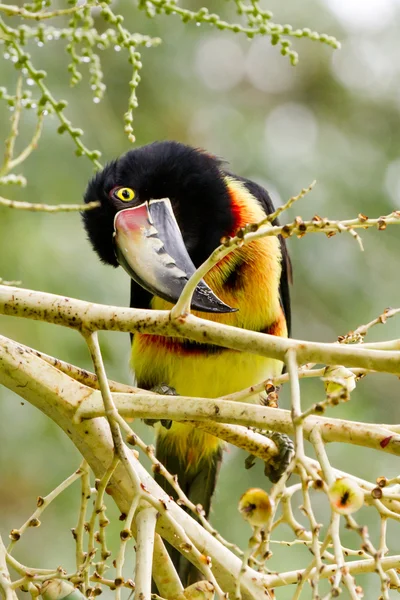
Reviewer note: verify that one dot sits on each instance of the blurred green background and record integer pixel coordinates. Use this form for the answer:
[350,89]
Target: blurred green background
[335,118]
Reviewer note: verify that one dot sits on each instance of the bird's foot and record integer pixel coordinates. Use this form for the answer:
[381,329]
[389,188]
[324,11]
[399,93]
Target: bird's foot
[275,468]
[277,465]
[164,390]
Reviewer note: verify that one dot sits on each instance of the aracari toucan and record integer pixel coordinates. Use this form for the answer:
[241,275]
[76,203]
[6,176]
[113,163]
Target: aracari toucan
[163,209]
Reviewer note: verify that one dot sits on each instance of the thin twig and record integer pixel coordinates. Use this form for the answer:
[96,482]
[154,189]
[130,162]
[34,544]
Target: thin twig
[125,535]
[275,215]
[182,307]
[30,147]
[47,207]
[20,11]
[359,334]
[15,118]
[5,581]
[329,477]
[291,364]
[42,504]
[99,512]
[79,531]
[109,406]
[259,230]
[134,439]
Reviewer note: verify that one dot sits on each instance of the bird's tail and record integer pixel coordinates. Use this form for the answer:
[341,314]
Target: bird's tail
[197,480]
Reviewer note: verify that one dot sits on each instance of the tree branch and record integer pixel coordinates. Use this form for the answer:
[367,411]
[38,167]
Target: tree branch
[81,315]
[146,524]
[58,396]
[186,408]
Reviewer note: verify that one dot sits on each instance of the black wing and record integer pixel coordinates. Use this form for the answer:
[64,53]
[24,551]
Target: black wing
[286,276]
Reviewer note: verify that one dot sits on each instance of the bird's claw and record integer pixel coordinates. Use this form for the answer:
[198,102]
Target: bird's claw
[164,390]
[277,465]
[250,461]
[275,468]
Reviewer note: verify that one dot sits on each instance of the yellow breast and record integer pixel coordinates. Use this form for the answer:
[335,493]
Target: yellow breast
[200,373]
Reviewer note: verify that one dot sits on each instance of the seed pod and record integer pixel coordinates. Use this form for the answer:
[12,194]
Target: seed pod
[345,496]
[57,589]
[339,382]
[255,506]
[202,590]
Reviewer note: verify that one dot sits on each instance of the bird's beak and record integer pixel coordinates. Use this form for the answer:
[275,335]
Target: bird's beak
[149,245]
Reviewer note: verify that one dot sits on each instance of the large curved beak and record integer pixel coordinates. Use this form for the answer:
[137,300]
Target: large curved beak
[149,245]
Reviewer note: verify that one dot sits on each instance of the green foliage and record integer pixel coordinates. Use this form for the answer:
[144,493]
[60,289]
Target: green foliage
[256,22]
[86,34]
[83,38]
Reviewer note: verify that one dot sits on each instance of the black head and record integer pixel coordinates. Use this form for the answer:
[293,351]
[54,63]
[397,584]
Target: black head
[190,178]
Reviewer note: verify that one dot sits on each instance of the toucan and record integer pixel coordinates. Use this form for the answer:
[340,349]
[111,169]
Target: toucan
[164,208]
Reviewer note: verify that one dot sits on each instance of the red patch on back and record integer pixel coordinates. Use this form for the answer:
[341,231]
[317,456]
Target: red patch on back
[237,210]
[171,345]
[166,343]
[277,327]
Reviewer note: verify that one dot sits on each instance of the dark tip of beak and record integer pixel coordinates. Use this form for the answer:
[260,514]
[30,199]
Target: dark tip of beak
[205,300]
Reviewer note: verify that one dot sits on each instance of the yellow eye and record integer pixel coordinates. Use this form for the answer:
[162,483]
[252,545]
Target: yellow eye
[124,194]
